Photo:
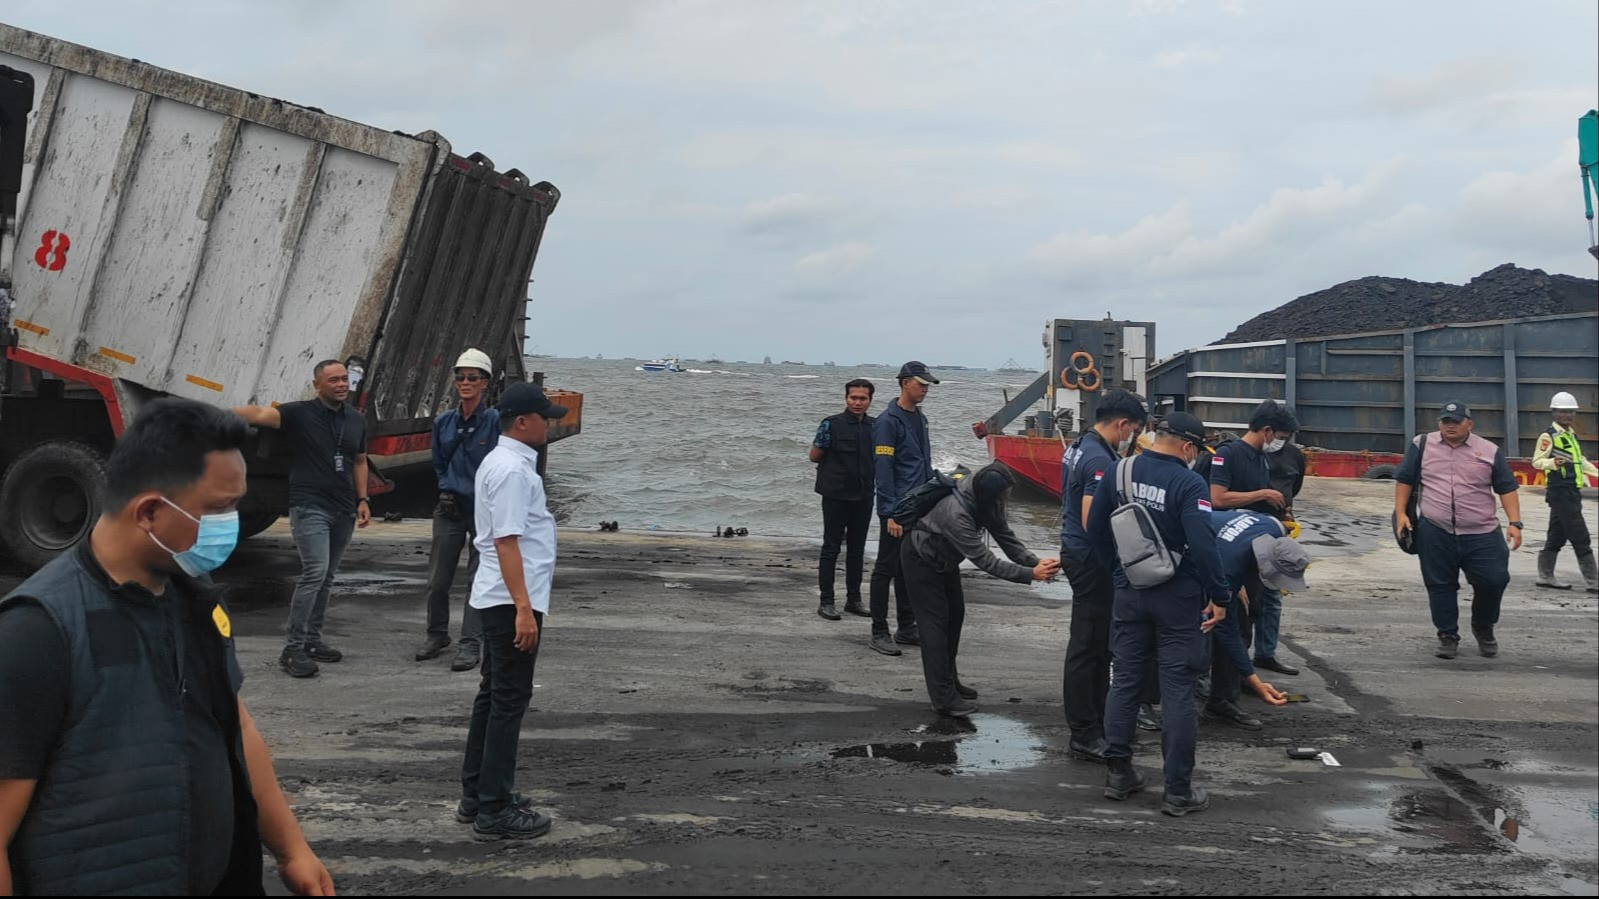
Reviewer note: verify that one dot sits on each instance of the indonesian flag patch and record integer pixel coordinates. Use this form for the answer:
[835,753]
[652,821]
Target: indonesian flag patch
[1099,475]
[1217,460]
[1204,505]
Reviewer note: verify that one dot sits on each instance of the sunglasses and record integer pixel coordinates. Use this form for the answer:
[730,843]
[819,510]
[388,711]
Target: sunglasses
[473,378]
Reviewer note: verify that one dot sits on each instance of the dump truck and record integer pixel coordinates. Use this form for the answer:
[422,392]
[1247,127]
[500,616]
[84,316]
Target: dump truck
[164,235]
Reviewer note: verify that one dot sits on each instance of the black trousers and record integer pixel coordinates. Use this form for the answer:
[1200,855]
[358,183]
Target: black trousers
[1566,523]
[843,518]
[1226,682]
[489,772]
[940,613]
[1086,678]
[886,570]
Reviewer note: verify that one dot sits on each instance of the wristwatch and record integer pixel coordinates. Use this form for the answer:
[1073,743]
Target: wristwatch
[363,499]
[1518,525]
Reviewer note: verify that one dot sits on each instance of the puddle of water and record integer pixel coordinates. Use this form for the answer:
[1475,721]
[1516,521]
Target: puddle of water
[979,745]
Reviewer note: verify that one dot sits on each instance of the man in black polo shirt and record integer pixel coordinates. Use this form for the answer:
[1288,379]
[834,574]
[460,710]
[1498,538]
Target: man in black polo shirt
[128,763]
[327,501]
[846,477]
[1240,478]
[1120,417]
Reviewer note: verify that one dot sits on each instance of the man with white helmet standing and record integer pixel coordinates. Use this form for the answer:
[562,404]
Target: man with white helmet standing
[1559,455]
[462,438]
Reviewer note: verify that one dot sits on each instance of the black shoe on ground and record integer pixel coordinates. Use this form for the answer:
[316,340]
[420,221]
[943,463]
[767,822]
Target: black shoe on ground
[884,644]
[511,823]
[1486,644]
[854,607]
[466,809]
[1271,664]
[1148,718]
[295,661]
[1089,750]
[1197,800]
[961,709]
[432,649]
[1232,714]
[322,652]
[827,610]
[468,656]
[1448,646]
[1122,779]
[965,691]
[908,638]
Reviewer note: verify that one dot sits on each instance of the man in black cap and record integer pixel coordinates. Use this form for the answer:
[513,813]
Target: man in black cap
[904,461]
[511,591]
[1169,619]
[1458,474]
[1240,478]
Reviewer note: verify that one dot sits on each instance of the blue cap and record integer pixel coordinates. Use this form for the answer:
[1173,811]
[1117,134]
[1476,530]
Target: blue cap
[918,371]
[522,398]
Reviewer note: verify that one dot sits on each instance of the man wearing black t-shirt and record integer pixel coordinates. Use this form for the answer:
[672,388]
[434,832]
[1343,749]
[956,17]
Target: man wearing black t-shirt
[327,501]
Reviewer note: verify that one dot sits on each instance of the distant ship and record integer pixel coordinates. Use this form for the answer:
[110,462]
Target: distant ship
[767,361]
[1011,366]
[670,364]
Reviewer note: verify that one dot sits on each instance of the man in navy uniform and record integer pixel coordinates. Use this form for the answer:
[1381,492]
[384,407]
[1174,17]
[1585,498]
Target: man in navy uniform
[1086,679]
[1170,620]
[845,478]
[904,455]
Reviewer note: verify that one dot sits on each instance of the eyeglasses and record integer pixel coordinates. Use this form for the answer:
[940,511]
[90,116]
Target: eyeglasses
[473,378]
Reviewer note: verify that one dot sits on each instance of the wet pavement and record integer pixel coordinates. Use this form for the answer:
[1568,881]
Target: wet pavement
[696,727]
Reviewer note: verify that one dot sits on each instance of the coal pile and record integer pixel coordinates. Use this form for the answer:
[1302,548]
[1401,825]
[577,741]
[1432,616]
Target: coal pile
[1387,304]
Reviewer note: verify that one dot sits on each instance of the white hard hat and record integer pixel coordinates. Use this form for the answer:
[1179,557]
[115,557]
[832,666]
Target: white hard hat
[475,359]
[1563,402]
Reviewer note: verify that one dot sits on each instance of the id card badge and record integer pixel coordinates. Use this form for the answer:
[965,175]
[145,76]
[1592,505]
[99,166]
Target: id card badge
[338,462]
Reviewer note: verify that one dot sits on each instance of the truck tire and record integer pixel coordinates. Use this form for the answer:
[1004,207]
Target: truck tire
[49,500]
[1380,472]
[254,521]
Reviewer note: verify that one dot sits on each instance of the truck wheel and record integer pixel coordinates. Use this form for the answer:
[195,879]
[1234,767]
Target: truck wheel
[254,521]
[1380,472]
[49,500]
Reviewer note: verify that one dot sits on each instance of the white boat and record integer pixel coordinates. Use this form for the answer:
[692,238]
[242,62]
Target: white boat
[660,365]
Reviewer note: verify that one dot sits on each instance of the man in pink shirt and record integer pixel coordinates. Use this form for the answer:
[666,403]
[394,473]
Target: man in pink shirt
[1458,474]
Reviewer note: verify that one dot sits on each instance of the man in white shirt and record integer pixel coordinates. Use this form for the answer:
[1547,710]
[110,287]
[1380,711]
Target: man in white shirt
[516,546]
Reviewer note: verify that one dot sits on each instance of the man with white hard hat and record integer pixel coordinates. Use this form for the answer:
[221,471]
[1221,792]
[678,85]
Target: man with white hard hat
[1559,455]
[462,438]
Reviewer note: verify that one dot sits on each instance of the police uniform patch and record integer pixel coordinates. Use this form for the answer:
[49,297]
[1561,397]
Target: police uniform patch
[224,626]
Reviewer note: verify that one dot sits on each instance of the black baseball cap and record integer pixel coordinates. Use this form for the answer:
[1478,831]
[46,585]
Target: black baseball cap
[918,371]
[1184,426]
[1454,410]
[522,398]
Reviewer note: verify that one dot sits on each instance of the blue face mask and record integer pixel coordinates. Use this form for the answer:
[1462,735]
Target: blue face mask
[217,537]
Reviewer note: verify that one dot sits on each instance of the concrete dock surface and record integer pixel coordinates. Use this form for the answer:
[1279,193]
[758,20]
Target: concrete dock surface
[697,728]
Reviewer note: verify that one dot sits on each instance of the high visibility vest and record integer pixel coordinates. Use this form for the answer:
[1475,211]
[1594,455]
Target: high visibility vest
[1566,442]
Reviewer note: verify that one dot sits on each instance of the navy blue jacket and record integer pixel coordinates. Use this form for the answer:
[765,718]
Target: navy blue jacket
[1235,535]
[459,447]
[904,455]
[1083,467]
[1179,502]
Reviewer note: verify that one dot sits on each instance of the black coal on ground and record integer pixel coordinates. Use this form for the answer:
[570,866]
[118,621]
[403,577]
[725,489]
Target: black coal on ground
[1384,304]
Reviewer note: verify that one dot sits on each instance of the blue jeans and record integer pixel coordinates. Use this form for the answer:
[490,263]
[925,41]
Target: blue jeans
[1268,619]
[1162,622]
[1485,558]
[489,770]
[321,536]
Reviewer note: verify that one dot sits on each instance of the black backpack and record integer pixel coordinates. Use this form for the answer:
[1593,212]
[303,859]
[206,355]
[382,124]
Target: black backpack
[920,500]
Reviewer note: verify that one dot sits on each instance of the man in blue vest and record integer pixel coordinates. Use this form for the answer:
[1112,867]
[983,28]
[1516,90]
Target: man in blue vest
[1085,681]
[1171,620]
[904,454]
[462,438]
[128,763]
[845,478]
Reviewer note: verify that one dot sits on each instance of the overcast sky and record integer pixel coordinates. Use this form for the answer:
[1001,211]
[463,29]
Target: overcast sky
[873,181]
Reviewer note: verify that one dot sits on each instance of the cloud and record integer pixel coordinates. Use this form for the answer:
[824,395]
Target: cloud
[1456,81]
[840,260]
[1191,56]
[1535,211]
[787,214]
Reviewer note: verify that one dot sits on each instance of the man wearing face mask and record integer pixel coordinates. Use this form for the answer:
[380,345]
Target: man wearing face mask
[1171,620]
[462,437]
[1240,478]
[1118,421]
[129,764]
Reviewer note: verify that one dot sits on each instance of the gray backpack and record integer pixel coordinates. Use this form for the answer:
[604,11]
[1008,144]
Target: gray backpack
[1145,559]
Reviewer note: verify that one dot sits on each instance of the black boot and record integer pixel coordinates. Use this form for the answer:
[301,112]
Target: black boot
[1197,800]
[1122,779]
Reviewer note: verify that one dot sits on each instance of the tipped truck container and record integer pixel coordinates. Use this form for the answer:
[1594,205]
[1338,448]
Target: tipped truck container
[169,236]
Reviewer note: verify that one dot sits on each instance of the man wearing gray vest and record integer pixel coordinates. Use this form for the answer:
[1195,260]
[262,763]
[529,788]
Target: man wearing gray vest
[128,763]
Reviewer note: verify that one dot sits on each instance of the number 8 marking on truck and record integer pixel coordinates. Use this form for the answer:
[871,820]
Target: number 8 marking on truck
[52,258]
